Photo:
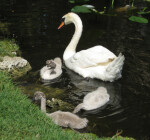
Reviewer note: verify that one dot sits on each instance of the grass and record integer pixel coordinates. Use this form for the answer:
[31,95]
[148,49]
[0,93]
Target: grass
[7,47]
[20,119]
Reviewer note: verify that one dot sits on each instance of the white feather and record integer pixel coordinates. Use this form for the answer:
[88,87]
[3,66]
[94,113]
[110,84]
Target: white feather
[96,62]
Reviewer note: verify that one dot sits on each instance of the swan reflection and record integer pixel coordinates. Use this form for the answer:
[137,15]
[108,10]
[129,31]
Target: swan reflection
[82,87]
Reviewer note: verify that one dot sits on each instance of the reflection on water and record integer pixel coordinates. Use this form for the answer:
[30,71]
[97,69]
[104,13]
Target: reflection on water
[98,116]
[34,26]
[83,86]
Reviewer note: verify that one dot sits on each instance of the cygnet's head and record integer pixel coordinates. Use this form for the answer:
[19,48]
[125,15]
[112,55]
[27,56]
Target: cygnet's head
[38,95]
[51,64]
[69,18]
[102,89]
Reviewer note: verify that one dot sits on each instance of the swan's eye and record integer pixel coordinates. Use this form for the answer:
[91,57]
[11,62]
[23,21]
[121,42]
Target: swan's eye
[63,19]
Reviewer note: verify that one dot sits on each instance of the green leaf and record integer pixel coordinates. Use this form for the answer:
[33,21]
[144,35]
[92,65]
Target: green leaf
[78,1]
[143,13]
[144,9]
[88,6]
[81,9]
[138,19]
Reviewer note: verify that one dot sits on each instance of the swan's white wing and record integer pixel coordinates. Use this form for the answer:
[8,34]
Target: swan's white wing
[94,56]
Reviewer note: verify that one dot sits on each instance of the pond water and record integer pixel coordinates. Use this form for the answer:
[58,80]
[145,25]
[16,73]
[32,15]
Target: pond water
[34,26]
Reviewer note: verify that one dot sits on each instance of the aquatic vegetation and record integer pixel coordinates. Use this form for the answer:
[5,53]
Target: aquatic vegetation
[138,19]
[57,104]
[112,3]
[91,9]
[144,12]
[81,9]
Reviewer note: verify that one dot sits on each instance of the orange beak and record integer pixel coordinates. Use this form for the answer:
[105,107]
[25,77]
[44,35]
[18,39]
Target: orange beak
[62,24]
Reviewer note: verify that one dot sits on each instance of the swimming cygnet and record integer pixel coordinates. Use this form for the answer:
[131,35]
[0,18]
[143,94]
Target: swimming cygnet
[68,119]
[93,100]
[52,70]
[65,119]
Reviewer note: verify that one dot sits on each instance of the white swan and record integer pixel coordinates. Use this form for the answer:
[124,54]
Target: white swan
[52,70]
[96,62]
[93,100]
[65,119]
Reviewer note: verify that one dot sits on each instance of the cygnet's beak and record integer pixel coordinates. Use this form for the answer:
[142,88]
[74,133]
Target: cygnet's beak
[62,24]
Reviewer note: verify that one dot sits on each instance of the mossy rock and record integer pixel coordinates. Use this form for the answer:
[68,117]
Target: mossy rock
[57,104]
[19,72]
[16,66]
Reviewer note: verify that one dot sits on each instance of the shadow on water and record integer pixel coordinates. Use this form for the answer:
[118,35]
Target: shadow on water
[34,26]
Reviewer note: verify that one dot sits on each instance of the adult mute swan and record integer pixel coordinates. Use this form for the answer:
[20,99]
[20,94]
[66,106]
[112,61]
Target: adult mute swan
[52,70]
[93,100]
[96,62]
[65,119]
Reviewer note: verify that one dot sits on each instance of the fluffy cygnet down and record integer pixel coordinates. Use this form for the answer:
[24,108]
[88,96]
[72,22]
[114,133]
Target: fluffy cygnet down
[65,119]
[93,100]
[52,70]
[68,119]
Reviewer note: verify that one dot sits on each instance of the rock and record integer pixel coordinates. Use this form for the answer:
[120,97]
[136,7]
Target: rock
[12,62]
[17,66]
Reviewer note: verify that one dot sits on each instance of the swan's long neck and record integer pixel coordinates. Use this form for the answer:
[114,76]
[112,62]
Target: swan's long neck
[78,108]
[71,48]
[43,105]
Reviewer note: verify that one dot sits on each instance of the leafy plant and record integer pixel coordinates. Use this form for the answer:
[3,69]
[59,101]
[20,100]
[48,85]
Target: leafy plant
[112,3]
[91,8]
[82,9]
[132,3]
[143,12]
[138,19]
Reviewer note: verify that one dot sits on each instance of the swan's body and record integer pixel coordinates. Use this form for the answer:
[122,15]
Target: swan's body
[96,62]
[93,100]
[52,70]
[65,119]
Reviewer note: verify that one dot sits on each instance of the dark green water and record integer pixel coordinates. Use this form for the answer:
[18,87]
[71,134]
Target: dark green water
[34,25]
